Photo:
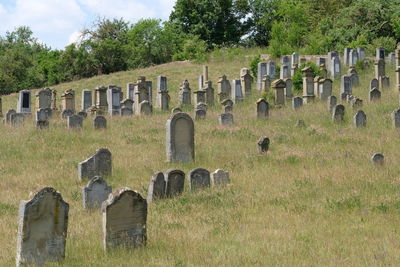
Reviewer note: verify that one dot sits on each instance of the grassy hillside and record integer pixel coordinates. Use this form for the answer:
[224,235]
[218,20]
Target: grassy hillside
[315,199]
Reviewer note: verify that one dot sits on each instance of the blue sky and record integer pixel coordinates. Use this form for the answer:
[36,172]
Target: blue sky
[58,22]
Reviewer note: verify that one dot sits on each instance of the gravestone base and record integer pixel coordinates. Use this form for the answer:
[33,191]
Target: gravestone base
[308,99]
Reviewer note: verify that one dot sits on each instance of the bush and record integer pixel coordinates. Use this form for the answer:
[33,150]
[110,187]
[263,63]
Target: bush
[297,78]
[193,49]
[254,65]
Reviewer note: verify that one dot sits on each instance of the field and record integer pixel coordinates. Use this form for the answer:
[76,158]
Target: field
[314,200]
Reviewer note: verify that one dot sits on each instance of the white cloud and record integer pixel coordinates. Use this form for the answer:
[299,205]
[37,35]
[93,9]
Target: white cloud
[167,6]
[74,37]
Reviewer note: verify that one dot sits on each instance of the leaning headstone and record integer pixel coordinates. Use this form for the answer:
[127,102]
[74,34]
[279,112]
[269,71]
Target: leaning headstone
[24,102]
[297,102]
[396,118]
[378,159]
[42,229]
[225,119]
[262,108]
[374,84]
[100,122]
[96,191]
[199,178]
[180,138]
[157,187]
[97,165]
[74,122]
[220,178]
[124,220]
[338,113]
[374,95]
[175,182]
[360,119]
[263,145]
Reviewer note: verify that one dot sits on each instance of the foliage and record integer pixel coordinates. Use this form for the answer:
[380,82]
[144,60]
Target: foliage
[254,65]
[193,49]
[297,78]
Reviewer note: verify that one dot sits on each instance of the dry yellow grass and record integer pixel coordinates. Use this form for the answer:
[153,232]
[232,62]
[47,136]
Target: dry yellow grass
[314,200]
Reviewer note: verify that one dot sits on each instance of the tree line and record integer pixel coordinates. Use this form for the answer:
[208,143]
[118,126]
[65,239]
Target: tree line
[196,27]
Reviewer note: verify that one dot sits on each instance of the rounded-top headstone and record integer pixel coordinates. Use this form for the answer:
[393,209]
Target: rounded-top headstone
[378,159]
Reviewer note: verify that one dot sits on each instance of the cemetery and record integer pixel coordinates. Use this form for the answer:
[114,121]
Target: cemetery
[187,164]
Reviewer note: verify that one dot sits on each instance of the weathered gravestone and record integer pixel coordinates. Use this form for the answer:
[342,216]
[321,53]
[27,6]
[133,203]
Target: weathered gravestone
[308,84]
[374,95]
[297,102]
[68,100]
[353,57]
[378,159]
[126,107]
[220,178]
[100,122]
[246,80]
[335,67]
[325,88]
[130,91]
[95,193]
[141,93]
[237,91]
[266,83]
[42,228]
[24,102]
[360,119]
[262,108]
[124,220]
[86,99]
[278,87]
[285,72]
[209,93]
[97,165]
[145,108]
[374,84]
[263,145]
[396,118]
[201,82]
[184,94]
[224,88]
[180,138]
[17,119]
[225,119]
[271,69]
[227,109]
[66,113]
[200,111]
[345,87]
[157,187]
[380,53]
[74,122]
[100,96]
[114,100]
[175,182]
[361,53]
[346,56]
[354,80]
[43,98]
[162,98]
[356,102]
[41,119]
[320,61]
[379,68]
[288,88]
[199,178]
[199,96]
[338,113]
[8,115]
[261,71]
[384,82]
[176,110]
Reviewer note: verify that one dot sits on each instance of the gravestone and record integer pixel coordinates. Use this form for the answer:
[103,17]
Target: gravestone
[278,87]
[378,159]
[225,119]
[66,113]
[266,83]
[317,80]
[43,98]
[54,99]
[176,110]
[114,100]
[261,72]
[82,113]
[237,93]
[227,102]
[297,102]
[157,187]
[361,53]
[374,95]
[227,109]
[338,113]
[325,88]
[335,67]
[285,72]
[353,57]
[126,107]
[42,228]
[271,69]
[201,82]
[384,82]
[246,80]
[285,60]
[288,88]
[17,119]
[86,99]
[380,53]
[74,122]
[295,59]
[263,145]
[345,87]
[162,92]
[180,138]
[97,165]
[68,100]
[124,220]
[175,182]
[391,59]
[42,119]
[308,84]
[320,61]
[124,111]
[200,96]
[100,96]
[184,94]
[224,88]
[24,102]
[356,102]
[262,108]
[95,193]
[220,178]
[396,118]
[100,122]
[379,68]
[141,93]
[199,178]
[346,56]
[209,93]
[149,87]
[145,108]
[354,80]
[200,111]
[130,91]
[374,84]
[360,119]
[8,115]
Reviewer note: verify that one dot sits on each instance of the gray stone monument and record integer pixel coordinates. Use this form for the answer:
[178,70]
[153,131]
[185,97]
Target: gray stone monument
[271,69]
[100,122]
[114,100]
[41,119]
[42,228]
[24,102]
[335,67]
[185,94]
[199,178]
[338,113]
[157,187]
[360,119]
[346,56]
[220,178]
[86,99]
[175,182]
[145,108]
[261,71]
[246,79]
[325,88]
[262,108]
[263,144]
[180,138]
[237,92]
[288,88]
[209,93]
[380,53]
[331,103]
[95,193]
[97,165]
[225,119]
[374,84]
[297,102]
[345,87]
[396,118]
[378,159]
[374,95]
[74,122]
[224,88]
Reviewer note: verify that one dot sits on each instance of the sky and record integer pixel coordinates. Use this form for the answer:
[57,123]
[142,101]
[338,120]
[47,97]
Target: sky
[58,23]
